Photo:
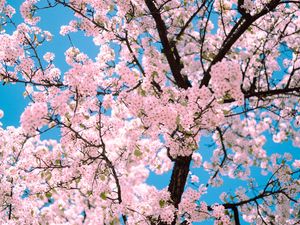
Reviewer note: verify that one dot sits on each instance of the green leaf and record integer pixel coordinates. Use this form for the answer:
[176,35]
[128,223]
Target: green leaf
[40,196]
[162,203]
[111,8]
[115,221]
[226,112]
[48,176]
[103,195]
[48,194]
[137,153]
[142,92]
[82,126]
[154,74]
[77,180]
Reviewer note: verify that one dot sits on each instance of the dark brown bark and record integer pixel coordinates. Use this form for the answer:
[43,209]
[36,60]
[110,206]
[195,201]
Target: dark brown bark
[178,179]
[177,183]
[289,91]
[182,164]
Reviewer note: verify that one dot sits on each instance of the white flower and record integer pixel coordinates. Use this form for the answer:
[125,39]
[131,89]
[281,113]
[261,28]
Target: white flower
[49,56]
[296,164]
[194,179]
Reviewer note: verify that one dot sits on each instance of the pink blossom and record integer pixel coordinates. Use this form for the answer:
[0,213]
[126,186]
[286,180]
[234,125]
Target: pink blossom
[296,164]
[48,57]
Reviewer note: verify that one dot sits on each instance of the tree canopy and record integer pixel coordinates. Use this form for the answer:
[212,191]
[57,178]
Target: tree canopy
[167,74]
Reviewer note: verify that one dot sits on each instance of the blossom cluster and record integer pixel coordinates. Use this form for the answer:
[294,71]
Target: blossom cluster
[123,116]
[226,80]
[34,117]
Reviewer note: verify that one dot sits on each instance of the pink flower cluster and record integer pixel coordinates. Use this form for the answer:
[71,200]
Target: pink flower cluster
[226,78]
[10,51]
[34,117]
[27,9]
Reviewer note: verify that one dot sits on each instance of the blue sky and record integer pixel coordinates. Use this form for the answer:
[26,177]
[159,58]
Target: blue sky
[13,103]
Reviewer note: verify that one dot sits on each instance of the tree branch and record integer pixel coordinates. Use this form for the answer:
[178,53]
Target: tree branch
[169,49]
[188,22]
[236,32]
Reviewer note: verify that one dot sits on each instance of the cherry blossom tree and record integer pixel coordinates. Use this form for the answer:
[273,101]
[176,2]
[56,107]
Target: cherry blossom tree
[168,73]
